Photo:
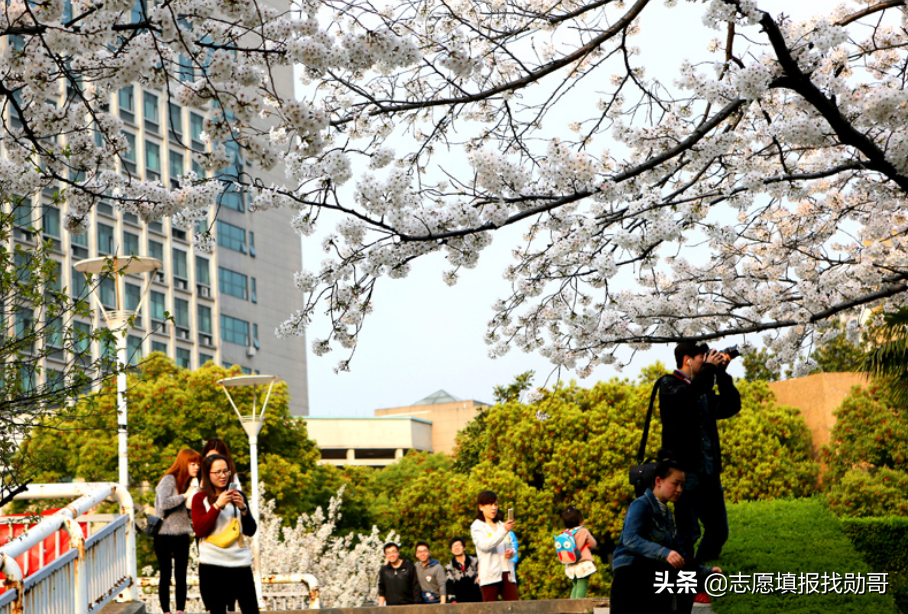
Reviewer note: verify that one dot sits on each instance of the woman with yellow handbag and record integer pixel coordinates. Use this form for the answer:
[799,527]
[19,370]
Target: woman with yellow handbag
[221,520]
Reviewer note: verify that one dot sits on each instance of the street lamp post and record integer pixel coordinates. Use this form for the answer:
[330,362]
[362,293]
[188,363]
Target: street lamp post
[118,321]
[252,424]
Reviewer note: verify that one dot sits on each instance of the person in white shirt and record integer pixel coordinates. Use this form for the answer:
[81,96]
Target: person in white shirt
[489,531]
[222,521]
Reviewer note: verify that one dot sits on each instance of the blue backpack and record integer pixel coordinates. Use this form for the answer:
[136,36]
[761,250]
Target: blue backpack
[566,547]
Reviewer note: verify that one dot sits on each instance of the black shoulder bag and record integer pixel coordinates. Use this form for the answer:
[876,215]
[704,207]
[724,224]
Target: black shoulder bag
[641,475]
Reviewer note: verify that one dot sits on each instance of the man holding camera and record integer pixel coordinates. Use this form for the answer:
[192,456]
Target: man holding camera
[689,407]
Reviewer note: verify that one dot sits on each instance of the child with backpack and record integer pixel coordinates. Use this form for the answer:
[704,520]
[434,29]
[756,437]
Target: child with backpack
[574,547]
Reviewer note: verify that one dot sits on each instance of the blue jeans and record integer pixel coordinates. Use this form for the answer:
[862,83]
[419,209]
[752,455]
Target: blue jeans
[703,500]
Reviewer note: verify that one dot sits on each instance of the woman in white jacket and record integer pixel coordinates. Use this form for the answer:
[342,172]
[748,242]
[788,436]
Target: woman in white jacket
[497,575]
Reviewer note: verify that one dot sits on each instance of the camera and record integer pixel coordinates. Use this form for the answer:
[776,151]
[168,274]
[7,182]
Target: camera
[732,352]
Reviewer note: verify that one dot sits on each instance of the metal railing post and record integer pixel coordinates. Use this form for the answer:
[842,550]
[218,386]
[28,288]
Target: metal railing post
[14,581]
[127,507]
[77,542]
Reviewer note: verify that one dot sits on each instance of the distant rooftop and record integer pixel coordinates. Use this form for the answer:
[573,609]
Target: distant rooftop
[437,397]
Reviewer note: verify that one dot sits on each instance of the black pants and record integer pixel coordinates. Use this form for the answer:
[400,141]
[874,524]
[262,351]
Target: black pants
[633,590]
[173,556]
[703,500]
[222,585]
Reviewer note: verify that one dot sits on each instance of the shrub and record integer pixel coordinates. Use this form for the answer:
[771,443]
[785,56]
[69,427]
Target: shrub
[793,536]
[883,543]
[876,492]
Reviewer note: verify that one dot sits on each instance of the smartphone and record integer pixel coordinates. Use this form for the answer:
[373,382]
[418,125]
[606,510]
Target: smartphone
[510,514]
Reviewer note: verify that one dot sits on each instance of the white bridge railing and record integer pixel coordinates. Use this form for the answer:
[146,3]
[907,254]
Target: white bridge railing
[279,592]
[91,573]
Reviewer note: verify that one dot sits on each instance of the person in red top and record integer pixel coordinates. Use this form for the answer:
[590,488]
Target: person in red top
[221,520]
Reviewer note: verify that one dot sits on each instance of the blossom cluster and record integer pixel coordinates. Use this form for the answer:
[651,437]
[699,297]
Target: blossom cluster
[760,194]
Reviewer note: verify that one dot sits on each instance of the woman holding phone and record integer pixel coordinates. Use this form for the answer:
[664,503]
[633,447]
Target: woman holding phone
[222,522]
[171,544]
[497,575]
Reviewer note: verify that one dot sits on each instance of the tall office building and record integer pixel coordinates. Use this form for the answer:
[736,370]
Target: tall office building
[225,305]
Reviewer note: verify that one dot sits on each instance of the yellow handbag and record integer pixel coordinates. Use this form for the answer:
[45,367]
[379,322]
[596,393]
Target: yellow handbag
[230,534]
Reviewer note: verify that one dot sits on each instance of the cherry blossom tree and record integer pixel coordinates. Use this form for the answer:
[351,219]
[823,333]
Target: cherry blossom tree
[761,193]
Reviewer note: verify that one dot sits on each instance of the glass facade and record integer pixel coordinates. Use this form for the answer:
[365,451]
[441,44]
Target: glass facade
[180,268]
[232,283]
[231,237]
[234,330]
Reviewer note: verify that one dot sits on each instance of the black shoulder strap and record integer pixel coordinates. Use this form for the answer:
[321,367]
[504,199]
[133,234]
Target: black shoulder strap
[649,416]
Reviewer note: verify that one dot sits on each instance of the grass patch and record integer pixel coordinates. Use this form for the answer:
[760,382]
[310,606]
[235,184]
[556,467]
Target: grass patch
[796,537]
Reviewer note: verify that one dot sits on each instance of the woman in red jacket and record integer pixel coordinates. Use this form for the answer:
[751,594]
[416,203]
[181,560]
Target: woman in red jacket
[221,520]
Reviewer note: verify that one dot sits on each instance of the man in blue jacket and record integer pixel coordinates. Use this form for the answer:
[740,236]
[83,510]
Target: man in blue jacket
[689,408]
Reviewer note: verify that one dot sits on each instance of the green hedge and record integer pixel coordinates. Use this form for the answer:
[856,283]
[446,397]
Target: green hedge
[883,544]
[793,536]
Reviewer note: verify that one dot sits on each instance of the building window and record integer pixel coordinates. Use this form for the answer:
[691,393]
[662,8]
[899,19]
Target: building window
[202,274]
[51,221]
[138,12]
[252,244]
[180,268]
[133,349]
[253,291]
[157,306]
[255,336]
[153,160]
[198,170]
[231,237]
[150,108]
[176,168]
[204,314]
[184,358]
[133,296]
[234,330]
[157,346]
[196,127]
[107,289]
[156,250]
[81,239]
[187,72]
[232,283]
[130,243]
[232,199]
[56,380]
[79,285]
[205,359]
[181,312]
[175,118]
[106,239]
[82,338]
[127,104]
[54,280]
[54,330]
[25,320]
[129,157]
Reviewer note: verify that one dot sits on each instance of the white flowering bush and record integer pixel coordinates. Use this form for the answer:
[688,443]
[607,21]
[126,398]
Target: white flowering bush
[345,566]
[760,193]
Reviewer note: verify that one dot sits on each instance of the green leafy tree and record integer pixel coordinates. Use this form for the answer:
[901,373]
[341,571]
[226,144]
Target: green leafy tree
[171,408]
[870,433]
[757,367]
[838,355]
[888,359]
[470,441]
[767,450]
[45,342]
[867,456]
